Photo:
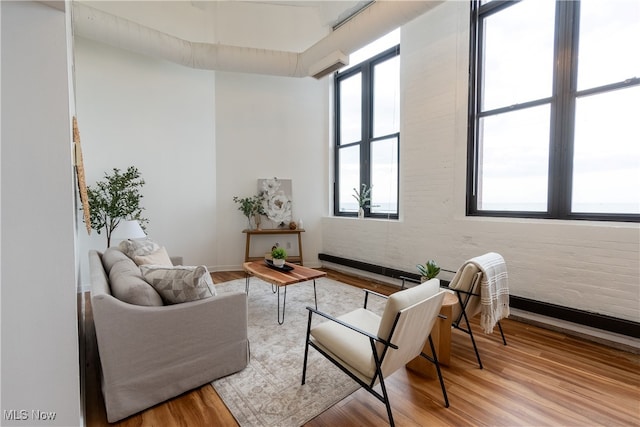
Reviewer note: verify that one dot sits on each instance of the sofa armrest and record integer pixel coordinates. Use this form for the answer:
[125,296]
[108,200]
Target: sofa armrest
[150,354]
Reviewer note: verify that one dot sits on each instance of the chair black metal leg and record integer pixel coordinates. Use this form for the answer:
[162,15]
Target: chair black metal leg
[386,402]
[385,396]
[502,333]
[473,341]
[306,351]
[435,361]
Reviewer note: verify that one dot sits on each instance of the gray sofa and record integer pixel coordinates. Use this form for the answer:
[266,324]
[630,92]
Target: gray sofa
[151,352]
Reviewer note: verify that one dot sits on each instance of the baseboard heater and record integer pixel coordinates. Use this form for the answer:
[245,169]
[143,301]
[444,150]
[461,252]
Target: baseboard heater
[581,317]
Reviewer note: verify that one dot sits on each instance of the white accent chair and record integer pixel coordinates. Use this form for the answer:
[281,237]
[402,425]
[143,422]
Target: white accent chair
[369,347]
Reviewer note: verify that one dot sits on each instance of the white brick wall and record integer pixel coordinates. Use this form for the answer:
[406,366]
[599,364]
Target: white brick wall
[593,266]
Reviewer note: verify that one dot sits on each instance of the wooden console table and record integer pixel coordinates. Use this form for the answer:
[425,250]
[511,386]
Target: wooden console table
[274,231]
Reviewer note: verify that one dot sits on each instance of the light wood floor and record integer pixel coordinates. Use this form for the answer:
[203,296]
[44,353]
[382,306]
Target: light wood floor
[541,378]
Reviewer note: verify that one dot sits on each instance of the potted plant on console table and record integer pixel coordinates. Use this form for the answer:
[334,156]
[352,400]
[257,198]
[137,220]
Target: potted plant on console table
[279,255]
[251,207]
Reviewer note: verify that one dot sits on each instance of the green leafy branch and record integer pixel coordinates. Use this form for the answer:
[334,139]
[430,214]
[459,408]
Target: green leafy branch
[363,197]
[115,198]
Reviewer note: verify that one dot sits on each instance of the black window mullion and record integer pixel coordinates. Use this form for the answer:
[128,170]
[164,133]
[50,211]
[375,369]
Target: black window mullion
[563,111]
[336,147]
[367,129]
[474,107]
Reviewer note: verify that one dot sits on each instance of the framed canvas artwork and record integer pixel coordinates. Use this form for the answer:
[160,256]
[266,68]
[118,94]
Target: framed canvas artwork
[277,203]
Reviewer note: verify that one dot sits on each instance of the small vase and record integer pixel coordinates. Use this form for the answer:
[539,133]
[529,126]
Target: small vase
[361,213]
[258,220]
[278,262]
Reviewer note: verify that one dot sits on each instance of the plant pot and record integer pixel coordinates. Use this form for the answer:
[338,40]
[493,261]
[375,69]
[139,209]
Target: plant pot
[278,262]
[360,213]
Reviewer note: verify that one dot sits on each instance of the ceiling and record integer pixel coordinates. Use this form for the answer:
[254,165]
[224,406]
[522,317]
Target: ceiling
[264,24]
[275,37]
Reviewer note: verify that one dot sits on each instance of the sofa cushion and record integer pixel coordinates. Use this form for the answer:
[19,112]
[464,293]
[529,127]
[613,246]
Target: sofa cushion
[111,256]
[159,257]
[179,284]
[128,285]
[138,247]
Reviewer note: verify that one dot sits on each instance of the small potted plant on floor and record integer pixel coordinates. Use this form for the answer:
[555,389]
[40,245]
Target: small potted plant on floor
[279,255]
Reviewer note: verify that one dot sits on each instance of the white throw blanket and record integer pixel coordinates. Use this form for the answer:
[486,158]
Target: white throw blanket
[494,289]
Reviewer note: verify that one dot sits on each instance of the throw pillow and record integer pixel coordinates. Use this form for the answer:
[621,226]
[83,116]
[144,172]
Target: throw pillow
[159,257]
[204,279]
[111,256]
[138,247]
[128,285]
[179,284]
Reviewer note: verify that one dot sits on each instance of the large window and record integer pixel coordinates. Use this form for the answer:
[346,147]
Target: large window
[555,109]
[368,130]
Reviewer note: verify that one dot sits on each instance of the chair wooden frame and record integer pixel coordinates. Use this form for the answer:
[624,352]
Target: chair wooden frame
[378,356]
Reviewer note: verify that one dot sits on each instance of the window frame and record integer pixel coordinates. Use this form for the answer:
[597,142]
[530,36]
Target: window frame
[562,117]
[365,68]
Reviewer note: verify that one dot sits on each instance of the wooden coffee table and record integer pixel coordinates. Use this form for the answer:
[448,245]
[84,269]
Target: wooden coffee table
[279,278]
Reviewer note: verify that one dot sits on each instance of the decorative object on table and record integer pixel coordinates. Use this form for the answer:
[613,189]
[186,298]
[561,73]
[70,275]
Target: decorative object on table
[115,199]
[279,254]
[363,197]
[276,199]
[284,267]
[252,208]
[429,270]
[82,184]
[293,225]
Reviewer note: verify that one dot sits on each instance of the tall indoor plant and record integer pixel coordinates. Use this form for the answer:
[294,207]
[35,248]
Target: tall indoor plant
[116,198]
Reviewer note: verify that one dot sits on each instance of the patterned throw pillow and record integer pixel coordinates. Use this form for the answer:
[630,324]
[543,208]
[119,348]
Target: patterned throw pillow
[159,257]
[138,247]
[179,284]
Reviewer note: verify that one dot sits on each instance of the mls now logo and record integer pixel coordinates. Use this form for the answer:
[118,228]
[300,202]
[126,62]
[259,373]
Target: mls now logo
[23,415]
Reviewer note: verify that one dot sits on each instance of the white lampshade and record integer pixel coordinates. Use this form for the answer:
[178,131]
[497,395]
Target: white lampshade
[128,230]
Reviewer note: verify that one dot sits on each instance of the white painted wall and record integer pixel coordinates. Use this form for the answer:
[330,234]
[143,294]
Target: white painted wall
[40,364]
[199,138]
[593,266]
[159,117]
[270,127]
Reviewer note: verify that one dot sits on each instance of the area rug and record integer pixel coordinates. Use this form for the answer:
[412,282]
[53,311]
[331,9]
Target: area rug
[268,391]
